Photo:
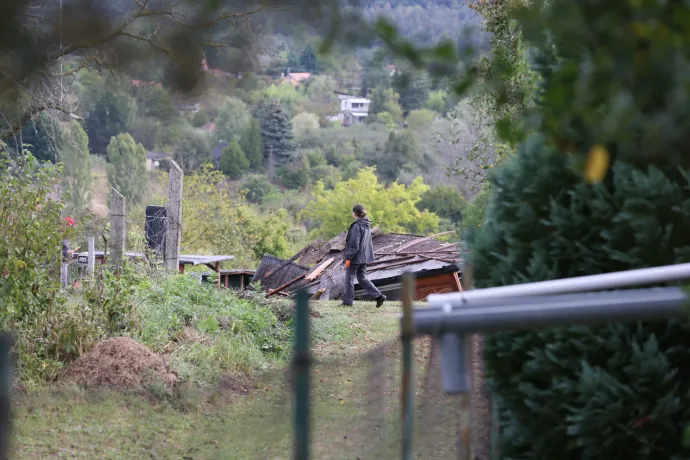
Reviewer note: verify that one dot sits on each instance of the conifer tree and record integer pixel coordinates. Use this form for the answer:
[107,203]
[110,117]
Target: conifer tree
[253,145]
[614,391]
[233,161]
[127,167]
[76,172]
[112,115]
[276,131]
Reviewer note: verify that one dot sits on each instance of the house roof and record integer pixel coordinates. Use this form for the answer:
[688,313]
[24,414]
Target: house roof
[208,127]
[395,253]
[362,100]
[189,259]
[158,156]
[218,150]
[295,78]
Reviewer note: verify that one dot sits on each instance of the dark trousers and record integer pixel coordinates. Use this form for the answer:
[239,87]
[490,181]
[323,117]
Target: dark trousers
[358,272]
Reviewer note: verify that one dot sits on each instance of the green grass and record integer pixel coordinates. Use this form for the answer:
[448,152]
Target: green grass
[353,416]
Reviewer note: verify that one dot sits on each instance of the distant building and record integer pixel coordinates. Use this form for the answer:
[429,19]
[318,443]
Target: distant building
[154,160]
[295,78]
[217,152]
[353,109]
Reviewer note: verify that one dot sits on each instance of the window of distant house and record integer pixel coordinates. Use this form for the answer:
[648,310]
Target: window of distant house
[356,105]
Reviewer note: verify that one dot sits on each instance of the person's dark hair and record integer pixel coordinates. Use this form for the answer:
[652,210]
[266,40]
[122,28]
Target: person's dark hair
[359,211]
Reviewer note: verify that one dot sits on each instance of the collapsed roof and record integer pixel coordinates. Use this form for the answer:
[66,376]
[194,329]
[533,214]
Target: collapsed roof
[395,254]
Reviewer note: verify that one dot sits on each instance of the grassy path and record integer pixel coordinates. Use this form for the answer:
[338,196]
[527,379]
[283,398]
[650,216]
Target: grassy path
[354,413]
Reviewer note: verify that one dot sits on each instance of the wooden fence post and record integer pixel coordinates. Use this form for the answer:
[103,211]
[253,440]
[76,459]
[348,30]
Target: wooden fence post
[117,228]
[173,233]
[92,257]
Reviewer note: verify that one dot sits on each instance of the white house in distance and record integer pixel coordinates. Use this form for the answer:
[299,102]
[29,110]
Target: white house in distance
[353,109]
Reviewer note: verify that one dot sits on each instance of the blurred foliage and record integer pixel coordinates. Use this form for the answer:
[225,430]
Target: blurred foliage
[392,208]
[126,168]
[233,161]
[219,221]
[76,174]
[594,384]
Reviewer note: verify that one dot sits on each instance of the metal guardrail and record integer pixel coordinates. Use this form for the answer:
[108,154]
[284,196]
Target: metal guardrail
[452,317]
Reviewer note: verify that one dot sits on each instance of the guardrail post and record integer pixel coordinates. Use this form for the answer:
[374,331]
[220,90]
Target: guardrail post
[301,366]
[407,336]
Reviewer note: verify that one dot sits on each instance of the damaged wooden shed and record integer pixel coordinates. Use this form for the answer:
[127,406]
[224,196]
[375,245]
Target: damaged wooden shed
[435,263]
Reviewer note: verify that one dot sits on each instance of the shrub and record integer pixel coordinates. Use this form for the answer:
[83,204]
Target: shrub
[243,334]
[258,187]
[581,392]
[233,161]
[420,119]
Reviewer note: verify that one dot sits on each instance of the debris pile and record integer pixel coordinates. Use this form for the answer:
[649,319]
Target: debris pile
[319,266]
[122,363]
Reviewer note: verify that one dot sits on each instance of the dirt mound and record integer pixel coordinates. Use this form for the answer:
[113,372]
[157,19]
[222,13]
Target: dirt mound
[122,363]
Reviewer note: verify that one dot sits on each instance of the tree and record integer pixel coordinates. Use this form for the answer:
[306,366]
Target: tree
[305,125]
[232,120]
[437,101]
[258,187]
[217,221]
[401,152]
[253,145]
[114,35]
[392,208]
[276,131]
[412,88]
[385,100]
[446,201]
[421,119]
[233,161]
[374,73]
[30,237]
[41,136]
[616,390]
[111,116]
[154,101]
[191,148]
[308,60]
[127,168]
[76,173]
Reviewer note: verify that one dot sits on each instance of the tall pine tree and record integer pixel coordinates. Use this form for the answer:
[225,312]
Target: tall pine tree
[111,116]
[253,145]
[127,167]
[76,172]
[276,130]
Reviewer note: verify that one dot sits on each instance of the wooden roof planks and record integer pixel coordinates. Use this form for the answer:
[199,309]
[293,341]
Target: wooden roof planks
[310,277]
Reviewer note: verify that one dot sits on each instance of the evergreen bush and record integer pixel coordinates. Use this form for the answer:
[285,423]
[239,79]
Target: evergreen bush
[616,391]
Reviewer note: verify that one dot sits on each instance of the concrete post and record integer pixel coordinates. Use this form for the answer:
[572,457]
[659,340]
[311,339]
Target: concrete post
[117,228]
[173,234]
[92,257]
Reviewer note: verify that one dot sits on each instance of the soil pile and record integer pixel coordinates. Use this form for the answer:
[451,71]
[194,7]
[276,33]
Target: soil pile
[121,362]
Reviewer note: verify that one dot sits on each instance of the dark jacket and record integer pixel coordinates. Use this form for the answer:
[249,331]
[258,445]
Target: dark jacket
[359,248]
[65,251]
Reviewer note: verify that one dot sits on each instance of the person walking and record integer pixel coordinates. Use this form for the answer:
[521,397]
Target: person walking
[359,251]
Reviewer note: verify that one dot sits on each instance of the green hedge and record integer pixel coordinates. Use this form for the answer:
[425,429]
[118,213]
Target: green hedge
[608,392]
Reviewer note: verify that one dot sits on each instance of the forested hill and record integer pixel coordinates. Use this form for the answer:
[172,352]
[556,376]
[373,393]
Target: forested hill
[427,21]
